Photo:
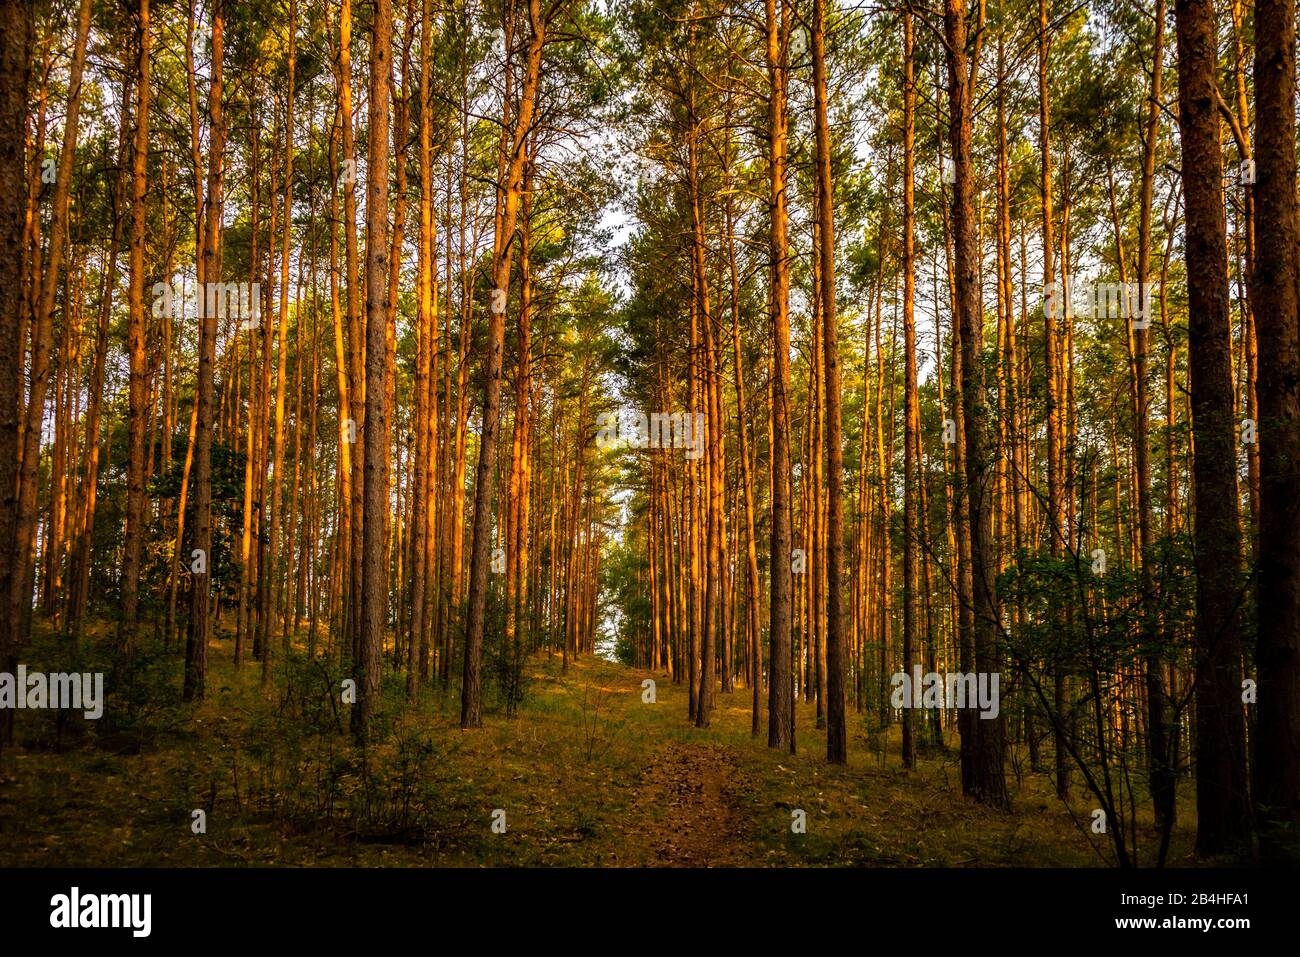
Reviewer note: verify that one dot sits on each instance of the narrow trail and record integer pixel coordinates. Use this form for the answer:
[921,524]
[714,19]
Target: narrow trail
[687,813]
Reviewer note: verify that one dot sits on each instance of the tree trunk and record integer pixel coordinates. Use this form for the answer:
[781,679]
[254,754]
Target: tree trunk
[42,329]
[1162,778]
[987,783]
[196,646]
[272,575]
[1221,797]
[374,583]
[1051,371]
[780,728]
[139,362]
[15,48]
[911,412]
[513,149]
[836,731]
[1277,728]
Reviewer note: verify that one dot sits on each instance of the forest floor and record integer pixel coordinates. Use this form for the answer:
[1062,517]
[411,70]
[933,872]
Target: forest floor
[586,774]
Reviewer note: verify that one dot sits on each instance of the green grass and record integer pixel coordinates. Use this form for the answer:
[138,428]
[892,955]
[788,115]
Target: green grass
[586,773]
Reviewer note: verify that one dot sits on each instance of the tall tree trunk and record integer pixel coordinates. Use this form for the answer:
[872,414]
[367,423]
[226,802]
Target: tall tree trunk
[752,588]
[374,583]
[347,436]
[196,646]
[711,505]
[517,493]
[911,412]
[426,347]
[987,782]
[1221,797]
[139,362]
[1277,728]
[836,731]
[42,329]
[1158,763]
[250,546]
[1051,371]
[1245,228]
[513,147]
[79,578]
[780,728]
[272,575]
[15,49]
[357,346]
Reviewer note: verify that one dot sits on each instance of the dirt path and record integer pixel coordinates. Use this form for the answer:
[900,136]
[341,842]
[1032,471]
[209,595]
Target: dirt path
[687,815]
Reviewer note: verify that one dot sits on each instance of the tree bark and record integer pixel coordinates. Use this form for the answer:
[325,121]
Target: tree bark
[911,412]
[836,730]
[1277,728]
[780,728]
[513,149]
[196,646]
[374,582]
[1221,798]
[987,783]
[138,359]
[42,329]
[15,50]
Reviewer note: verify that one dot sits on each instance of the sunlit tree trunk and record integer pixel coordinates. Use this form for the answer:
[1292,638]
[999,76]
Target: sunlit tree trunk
[196,647]
[513,148]
[780,729]
[79,573]
[911,412]
[138,360]
[272,587]
[1051,312]
[356,340]
[836,731]
[417,665]
[42,333]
